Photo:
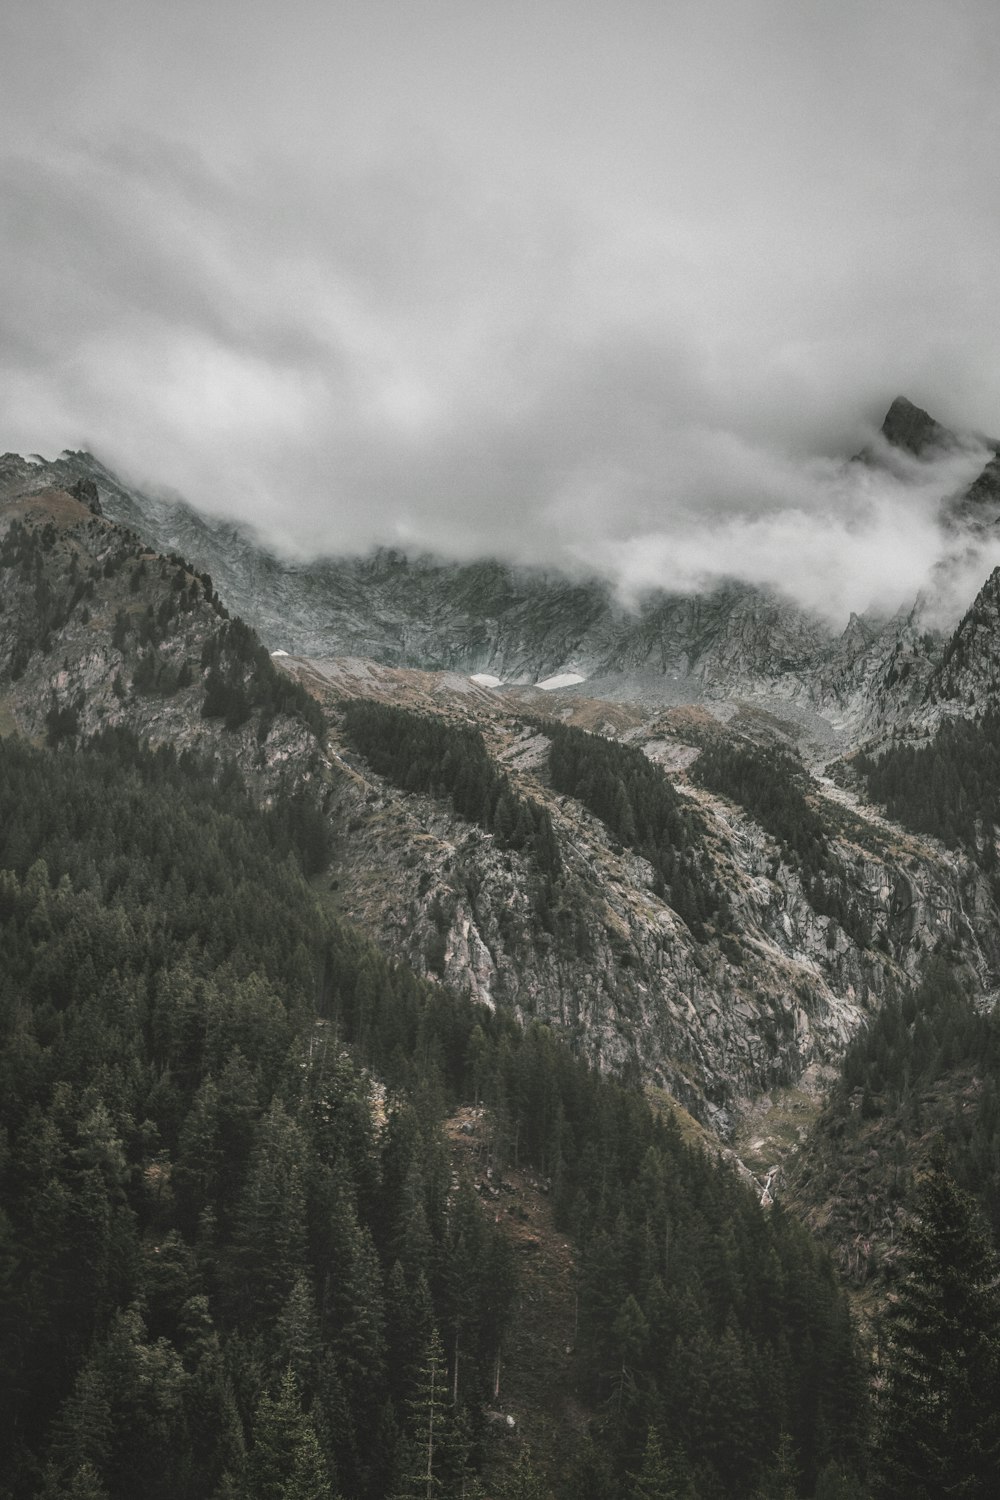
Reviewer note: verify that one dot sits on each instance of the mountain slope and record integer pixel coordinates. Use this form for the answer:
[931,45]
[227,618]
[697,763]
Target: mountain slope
[685,905]
[230,1256]
[775,985]
[719,1001]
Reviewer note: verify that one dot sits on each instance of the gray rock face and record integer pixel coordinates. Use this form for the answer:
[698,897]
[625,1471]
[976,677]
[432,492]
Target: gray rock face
[717,1028]
[61,645]
[968,676]
[913,429]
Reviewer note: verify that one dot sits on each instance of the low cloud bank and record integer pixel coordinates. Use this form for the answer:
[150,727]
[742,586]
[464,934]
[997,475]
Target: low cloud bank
[401,359]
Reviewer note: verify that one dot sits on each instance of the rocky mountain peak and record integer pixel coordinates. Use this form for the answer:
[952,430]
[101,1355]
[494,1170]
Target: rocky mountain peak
[910,427]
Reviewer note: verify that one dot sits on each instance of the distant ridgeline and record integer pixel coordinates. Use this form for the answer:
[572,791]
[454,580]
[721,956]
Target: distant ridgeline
[224,1272]
[948,787]
[770,785]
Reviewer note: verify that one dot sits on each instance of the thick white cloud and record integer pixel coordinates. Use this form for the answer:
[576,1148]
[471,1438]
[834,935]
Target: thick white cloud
[585,284]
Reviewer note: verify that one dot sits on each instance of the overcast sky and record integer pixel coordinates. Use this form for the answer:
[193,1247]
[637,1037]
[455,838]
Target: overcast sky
[593,283]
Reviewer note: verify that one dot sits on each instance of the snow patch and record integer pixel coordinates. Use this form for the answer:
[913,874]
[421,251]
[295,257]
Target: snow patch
[561,680]
[279,653]
[485,679]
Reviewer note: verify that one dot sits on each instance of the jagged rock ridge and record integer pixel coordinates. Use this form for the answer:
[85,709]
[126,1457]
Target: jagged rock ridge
[524,626]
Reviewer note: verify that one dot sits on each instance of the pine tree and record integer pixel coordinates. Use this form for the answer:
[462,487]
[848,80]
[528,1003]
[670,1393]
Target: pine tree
[427,1426]
[270,1241]
[523,1483]
[286,1462]
[82,1438]
[781,1478]
[658,1479]
[939,1410]
[84,1484]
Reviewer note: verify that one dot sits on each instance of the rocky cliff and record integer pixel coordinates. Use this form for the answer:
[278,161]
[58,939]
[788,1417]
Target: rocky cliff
[716,1022]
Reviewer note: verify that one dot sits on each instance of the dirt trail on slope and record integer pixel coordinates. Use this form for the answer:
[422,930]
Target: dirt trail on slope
[538,1369]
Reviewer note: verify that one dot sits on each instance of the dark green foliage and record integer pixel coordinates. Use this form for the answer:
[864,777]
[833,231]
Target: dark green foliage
[780,1479]
[286,1460]
[195,1198]
[217,1275]
[429,1430]
[422,753]
[524,1482]
[62,722]
[938,1428]
[241,679]
[926,1065]
[771,784]
[948,787]
[640,807]
[659,1478]
[714,1325]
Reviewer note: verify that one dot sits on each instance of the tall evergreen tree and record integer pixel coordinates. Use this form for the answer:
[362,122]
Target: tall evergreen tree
[939,1410]
[659,1478]
[523,1482]
[428,1425]
[286,1462]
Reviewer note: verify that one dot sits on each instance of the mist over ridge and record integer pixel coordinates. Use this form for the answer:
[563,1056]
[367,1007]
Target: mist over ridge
[836,536]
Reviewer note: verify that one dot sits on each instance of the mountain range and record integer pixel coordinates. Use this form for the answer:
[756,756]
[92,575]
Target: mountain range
[715,1021]
[733,857]
[733,641]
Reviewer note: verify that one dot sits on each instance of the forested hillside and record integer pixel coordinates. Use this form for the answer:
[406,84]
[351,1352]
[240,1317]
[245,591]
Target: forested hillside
[222,1267]
[420,753]
[921,1080]
[228,1267]
[98,631]
[236,1255]
[948,786]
